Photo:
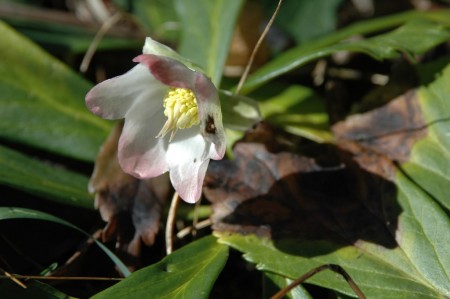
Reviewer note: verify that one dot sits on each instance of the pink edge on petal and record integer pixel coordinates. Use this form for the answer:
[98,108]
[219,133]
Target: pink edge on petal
[204,88]
[91,104]
[168,71]
[220,150]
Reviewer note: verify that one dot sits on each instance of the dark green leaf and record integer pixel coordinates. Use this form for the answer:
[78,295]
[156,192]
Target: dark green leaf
[189,272]
[207,30]
[42,101]
[305,20]
[20,171]
[21,213]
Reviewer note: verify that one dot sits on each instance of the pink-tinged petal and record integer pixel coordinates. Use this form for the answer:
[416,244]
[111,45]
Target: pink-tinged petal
[188,158]
[210,114]
[141,154]
[168,71]
[112,98]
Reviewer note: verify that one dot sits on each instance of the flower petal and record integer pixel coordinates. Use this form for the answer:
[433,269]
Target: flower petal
[188,158]
[141,154]
[112,98]
[210,114]
[168,71]
[153,47]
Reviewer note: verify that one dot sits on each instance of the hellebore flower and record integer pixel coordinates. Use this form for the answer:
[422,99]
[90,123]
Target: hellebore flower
[173,120]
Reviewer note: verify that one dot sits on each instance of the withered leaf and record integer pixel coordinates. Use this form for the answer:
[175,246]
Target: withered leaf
[283,187]
[131,207]
[390,130]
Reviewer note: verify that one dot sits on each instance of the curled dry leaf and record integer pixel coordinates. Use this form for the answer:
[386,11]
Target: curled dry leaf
[131,207]
[281,187]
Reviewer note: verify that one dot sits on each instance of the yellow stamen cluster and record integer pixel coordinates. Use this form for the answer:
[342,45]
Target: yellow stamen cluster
[181,110]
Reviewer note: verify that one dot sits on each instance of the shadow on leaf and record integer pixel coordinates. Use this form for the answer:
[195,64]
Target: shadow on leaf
[291,189]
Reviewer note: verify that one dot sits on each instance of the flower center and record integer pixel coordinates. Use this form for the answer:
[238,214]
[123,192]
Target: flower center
[181,110]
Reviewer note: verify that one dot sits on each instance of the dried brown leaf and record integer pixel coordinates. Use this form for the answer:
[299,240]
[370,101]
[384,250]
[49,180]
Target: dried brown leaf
[131,207]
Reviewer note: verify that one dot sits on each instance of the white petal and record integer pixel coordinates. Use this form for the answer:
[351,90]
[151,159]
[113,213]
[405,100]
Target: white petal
[112,98]
[141,154]
[188,157]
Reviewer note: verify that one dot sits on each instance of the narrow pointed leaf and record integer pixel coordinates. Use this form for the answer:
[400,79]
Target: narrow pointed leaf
[414,37]
[21,213]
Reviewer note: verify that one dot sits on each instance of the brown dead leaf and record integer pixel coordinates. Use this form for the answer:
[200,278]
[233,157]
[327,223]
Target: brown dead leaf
[390,130]
[279,186]
[131,207]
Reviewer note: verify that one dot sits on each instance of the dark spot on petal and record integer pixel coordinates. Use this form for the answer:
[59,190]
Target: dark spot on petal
[195,160]
[210,126]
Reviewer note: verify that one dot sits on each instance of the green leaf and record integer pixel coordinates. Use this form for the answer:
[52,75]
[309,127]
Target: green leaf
[35,289]
[429,164]
[55,183]
[298,110]
[414,37]
[379,272]
[207,30]
[21,213]
[418,266]
[42,101]
[305,20]
[239,113]
[189,272]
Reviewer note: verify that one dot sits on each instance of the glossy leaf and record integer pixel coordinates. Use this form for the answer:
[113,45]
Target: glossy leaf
[21,213]
[22,172]
[207,30]
[189,272]
[42,101]
[414,37]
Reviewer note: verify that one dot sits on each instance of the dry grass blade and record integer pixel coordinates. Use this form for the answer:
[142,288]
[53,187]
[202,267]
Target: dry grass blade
[96,41]
[256,48]
[14,278]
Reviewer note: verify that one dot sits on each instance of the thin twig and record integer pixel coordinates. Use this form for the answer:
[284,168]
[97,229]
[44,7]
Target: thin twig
[13,277]
[170,225]
[38,277]
[256,48]
[335,268]
[98,37]
[199,225]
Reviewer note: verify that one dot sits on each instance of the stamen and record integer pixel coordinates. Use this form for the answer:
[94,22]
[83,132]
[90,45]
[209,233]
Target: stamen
[181,110]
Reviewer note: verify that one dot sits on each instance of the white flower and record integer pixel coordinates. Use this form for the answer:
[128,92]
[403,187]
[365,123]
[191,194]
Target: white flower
[173,120]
